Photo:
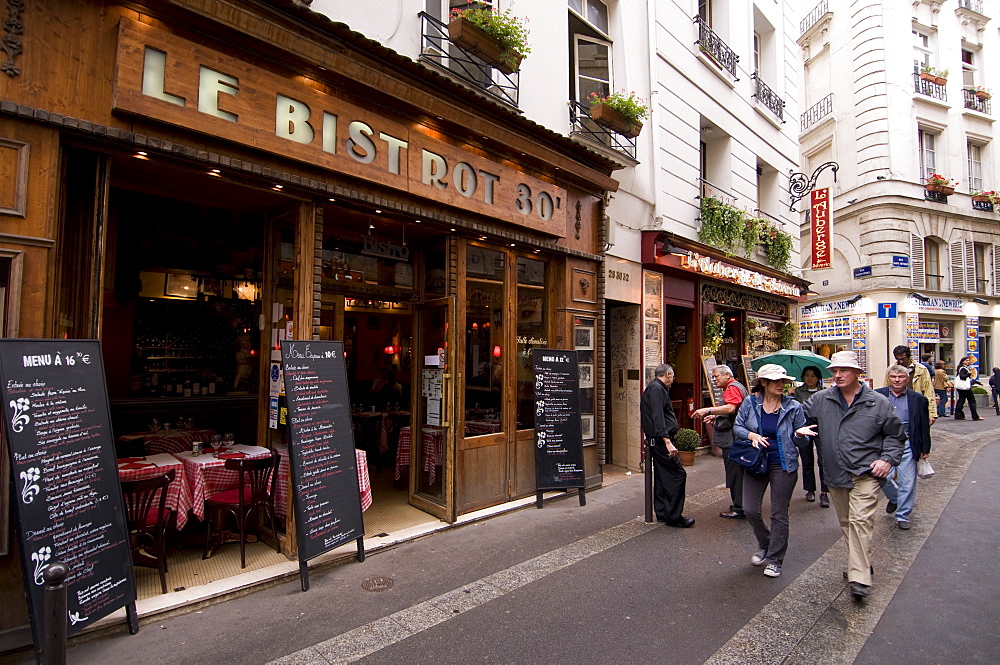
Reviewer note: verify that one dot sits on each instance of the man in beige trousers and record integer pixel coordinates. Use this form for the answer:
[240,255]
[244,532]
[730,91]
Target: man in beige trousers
[861,439]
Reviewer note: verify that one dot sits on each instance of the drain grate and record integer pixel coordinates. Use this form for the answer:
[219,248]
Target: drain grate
[377,584]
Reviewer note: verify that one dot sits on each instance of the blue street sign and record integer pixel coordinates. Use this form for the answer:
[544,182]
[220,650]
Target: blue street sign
[900,261]
[887,310]
[863,271]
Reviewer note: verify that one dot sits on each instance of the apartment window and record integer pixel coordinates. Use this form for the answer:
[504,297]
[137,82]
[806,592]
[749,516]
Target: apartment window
[593,12]
[705,11]
[968,68]
[932,264]
[756,52]
[975,155]
[928,156]
[441,9]
[980,252]
[921,49]
[592,59]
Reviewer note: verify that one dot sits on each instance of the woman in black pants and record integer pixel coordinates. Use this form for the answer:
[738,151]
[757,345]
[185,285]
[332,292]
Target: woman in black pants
[963,386]
[812,383]
[995,388]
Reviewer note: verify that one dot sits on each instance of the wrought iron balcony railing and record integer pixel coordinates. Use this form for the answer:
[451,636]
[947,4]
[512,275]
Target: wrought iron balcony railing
[972,6]
[810,20]
[929,88]
[816,112]
[769,98]
[976,102]
[715,48]
[985,206]
[437,49]
[584,125]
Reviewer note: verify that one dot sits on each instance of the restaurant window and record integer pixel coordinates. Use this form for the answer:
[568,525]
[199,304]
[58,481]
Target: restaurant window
[532,332]
[928,155]
[584,330]
[484,339]
[974,153]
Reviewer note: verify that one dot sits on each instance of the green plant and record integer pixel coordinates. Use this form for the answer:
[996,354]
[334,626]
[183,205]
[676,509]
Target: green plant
[750,326]
[629,105]
[715,331]
[941,73]
[778,250]
[938,179]
[786,335]
[686,439]
[722,225]
[506,28]
[927,69]
[979,390]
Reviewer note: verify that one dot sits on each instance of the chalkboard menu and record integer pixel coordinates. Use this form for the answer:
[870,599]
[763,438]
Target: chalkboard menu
[750,373]
[708,364]
[66,492]
[558,438]
[323,464]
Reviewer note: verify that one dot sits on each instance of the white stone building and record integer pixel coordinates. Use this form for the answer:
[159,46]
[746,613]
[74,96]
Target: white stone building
[930,256]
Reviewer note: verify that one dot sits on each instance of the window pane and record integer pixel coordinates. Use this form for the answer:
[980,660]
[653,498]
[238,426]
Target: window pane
[530,271]
[482,262]
[593,60]
[933,265]
[597,14]
[532,333]
[576,5]
[483,357]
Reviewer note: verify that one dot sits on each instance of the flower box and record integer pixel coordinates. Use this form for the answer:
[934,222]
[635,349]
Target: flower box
[612,118]
[940,80]
[483,45]
[927,76]
[982,95]
[946,190]
[982,198]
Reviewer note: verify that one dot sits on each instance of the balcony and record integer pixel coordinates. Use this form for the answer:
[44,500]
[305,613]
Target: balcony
[972,5]
[437,50]
[974,102]
[984,206]
[768,98]
[816,112]
[585,127]
[716,49]
[814,16]
[929,88]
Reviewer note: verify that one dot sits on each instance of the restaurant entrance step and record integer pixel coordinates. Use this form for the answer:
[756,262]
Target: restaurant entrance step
[186,568]
[390,511]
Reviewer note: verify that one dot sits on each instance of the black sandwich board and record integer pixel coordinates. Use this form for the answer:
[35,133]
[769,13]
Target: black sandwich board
[708,364]
[558,438]
[322,460]
[67,498]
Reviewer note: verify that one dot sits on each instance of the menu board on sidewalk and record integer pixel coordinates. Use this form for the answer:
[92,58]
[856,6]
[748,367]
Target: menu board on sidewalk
[558,437]
[708,364]
[68,502]
[322,460]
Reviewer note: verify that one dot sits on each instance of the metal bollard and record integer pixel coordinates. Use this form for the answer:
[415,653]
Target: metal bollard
[53,650]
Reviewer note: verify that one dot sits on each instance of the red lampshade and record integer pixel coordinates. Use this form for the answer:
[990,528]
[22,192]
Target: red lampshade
[389,350]
[496,351]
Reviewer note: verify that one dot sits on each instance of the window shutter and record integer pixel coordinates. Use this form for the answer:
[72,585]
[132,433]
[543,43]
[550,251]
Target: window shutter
[996,269]
[956,251]
[969,249]
[918,271]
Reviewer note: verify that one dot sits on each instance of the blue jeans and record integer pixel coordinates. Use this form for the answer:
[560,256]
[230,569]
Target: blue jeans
[901,489]
[943,403]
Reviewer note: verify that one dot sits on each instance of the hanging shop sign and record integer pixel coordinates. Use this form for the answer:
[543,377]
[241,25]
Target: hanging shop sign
[727,272]
[161,76]
[821,221]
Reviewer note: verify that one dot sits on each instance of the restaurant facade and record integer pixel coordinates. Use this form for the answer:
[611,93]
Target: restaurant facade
[192,186]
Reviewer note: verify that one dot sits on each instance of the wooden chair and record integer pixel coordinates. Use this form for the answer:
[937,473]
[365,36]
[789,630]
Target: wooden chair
[147,517]
[255,491]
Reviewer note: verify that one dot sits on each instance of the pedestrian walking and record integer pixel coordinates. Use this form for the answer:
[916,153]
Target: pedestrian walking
[768,419]
[919,378]
[901,489]
[963,386]
[659,424]
[941,384]
[812,383]
[995,388]
[721,419]
[861,439]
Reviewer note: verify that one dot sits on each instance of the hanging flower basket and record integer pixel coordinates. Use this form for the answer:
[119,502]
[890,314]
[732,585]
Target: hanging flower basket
[612,118]
[483,45]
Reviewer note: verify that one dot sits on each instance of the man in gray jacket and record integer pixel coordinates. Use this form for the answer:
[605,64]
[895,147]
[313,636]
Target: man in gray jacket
[861,439]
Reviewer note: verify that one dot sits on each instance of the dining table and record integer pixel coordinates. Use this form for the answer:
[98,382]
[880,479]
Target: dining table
[207,474]
[167,440]
[284,478]
[432,450]
[178,491]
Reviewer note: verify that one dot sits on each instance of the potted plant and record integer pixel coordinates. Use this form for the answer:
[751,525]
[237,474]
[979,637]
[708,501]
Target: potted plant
[941,76]
[686,441]
[927,73]
[980,92]
[621,112]
[497,37]
[984,196]
[938,183]
[982,397]
[715,331]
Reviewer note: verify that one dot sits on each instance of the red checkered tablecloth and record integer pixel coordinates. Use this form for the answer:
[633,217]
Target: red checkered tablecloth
[178,491]
[169,441]
[284,478]
[432,446]
[207,475]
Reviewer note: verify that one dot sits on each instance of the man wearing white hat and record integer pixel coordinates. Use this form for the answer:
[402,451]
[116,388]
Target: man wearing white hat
[861,439]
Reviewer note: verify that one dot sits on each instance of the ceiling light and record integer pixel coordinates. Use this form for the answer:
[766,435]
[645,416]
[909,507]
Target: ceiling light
[278,187]
[215,172]
[377,210]
[141,155]
[482,237]
[453,230]
[332,200]
[416,221]
[537,251]
[511,244]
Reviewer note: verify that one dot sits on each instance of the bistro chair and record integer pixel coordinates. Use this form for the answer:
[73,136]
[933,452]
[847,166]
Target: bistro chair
[255,492]
[147,517]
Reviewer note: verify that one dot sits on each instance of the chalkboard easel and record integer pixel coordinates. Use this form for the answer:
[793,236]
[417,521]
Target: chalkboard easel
[708,365]
[558,434]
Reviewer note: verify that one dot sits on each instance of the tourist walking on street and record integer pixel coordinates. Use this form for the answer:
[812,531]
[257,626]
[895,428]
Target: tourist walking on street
[995,388]
[861,439]
[963,386]
[812,383]
[768,419]
[941,384]
[919,378]
[721,418]
[659,423]
[901,490]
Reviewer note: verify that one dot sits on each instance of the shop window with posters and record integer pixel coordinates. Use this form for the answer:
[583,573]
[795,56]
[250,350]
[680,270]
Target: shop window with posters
[584,331]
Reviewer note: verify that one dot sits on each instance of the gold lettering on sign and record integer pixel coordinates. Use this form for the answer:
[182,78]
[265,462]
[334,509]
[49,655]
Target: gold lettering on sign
[755,280]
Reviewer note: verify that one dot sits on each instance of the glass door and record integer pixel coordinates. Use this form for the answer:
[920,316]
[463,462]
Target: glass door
[432,470]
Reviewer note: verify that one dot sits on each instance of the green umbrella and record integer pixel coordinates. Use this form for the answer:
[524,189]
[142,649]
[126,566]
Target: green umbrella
[794,362]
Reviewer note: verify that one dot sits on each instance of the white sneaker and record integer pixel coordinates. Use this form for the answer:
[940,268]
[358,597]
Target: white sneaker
[772,570]
[758,557]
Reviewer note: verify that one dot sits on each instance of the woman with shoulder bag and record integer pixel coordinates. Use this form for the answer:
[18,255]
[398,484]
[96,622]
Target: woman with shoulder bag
[963,386]
[768,419]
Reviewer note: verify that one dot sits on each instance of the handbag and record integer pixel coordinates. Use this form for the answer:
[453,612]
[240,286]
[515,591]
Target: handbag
[752,459]
[963,384]
[924,469]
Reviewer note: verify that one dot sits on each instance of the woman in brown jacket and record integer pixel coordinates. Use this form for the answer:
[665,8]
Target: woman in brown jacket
[941,383]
